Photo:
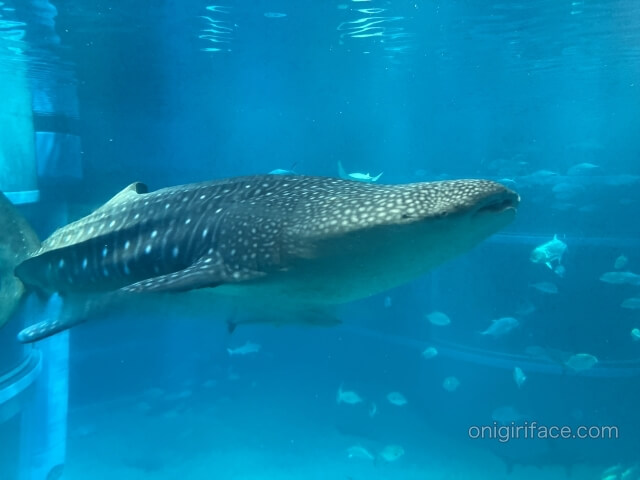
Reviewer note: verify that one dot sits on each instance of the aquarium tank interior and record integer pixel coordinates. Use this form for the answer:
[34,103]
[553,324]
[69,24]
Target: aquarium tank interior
[320,239]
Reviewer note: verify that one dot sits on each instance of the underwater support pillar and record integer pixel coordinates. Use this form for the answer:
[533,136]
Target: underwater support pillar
[44,421]
[17,149]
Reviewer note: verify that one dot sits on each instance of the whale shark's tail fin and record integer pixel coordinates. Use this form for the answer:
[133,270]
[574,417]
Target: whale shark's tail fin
[17,241]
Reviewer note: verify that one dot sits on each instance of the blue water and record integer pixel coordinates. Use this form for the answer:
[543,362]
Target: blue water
[182,91]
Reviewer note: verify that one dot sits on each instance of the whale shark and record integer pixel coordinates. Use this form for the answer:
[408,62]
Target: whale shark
[17,242]
[270,240]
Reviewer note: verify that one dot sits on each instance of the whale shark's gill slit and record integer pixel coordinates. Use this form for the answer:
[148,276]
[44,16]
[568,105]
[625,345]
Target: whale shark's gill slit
[95,266]
[192,229]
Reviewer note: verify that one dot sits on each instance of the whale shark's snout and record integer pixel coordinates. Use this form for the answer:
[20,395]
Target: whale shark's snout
[478,207]
[453,198]
[380,236]
[503,200]
[497,200]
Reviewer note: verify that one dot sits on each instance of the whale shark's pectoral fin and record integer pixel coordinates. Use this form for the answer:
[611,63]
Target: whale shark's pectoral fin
[46,328]
[56,318]
[205,273]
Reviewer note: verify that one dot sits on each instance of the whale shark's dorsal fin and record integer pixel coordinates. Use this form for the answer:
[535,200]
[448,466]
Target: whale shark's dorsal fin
[135,188]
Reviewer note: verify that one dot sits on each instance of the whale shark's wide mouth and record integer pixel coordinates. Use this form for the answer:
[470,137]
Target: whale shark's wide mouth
[498,203]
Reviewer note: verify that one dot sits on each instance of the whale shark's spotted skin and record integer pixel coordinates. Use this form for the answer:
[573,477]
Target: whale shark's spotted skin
[17,241]
[307,240]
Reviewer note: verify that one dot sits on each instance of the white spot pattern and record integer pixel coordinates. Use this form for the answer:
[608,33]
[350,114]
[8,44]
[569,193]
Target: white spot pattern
[297,210]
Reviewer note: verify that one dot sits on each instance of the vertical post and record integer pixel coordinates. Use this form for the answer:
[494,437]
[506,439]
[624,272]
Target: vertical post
[17,157]
[39,149]
[44,419]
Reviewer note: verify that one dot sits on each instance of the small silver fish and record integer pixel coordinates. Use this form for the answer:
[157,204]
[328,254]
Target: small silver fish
[438,318]
[620,262]
[545,287]
[347,396]
[621,278]
[539,178]
[519,377]
[360,452]
[274,14]
[635,334]
[358,177]
[451,384]
[429,352]
[509,181]
[583,169]
[391,453]
[246,349]
[501,326]
[549,252]
[632,303]
[630,473]
[612,471]
[397,399]
[581,362]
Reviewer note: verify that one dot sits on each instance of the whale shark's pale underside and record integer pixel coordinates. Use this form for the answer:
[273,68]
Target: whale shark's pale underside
[270,240]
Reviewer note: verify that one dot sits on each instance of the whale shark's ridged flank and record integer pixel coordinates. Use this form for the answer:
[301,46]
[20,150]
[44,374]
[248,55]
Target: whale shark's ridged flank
[17,242]
[303,241]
